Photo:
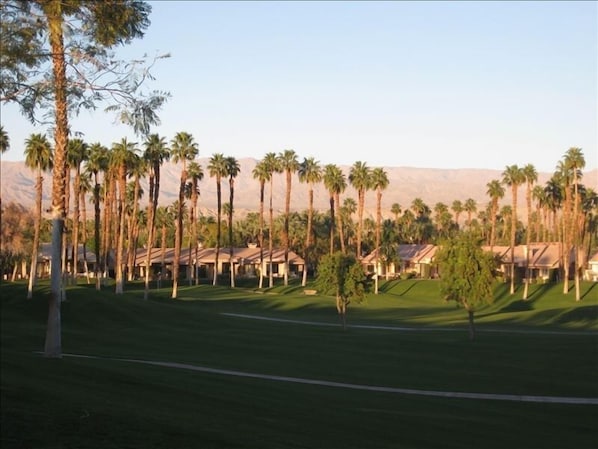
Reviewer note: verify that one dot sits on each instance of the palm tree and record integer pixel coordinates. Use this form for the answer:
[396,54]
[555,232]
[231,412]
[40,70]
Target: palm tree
[531,176]
[289,165]
[457,208]
[232,171]
[217,169]
[195,173]
[97,162]
[183,149]
[164,217]
[121,156]
[77,153]
[495,192]
[38,157]
[513,177]
[574,163]
[138,169]
[4,147]
[272,165]
[379,183]
[335,182]
[470,207]
[310,172]
[553,201]
[262,174]
[396,210]
[4,140]
[359,178]
[156,152]
[539,196]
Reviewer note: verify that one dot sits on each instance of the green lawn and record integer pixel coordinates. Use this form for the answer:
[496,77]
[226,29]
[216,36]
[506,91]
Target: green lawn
[404,338]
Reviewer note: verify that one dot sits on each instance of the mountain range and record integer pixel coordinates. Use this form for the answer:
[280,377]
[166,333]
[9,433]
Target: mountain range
[405,184]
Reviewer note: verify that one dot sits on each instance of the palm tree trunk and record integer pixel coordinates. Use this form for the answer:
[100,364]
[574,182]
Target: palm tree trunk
[310,214]
[122,177]
[53,344]
[38,215]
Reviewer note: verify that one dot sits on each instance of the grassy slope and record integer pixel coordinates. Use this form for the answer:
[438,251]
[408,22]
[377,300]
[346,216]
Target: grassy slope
[93,403]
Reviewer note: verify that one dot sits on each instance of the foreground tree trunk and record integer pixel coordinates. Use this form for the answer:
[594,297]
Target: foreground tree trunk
[471,325]
[53,343]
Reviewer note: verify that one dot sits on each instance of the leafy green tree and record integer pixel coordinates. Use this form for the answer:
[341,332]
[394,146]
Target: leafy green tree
[343,276]
[466,274]
[53,52]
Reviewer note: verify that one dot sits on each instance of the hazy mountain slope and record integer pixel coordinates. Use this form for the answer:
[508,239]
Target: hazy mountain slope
[406,184]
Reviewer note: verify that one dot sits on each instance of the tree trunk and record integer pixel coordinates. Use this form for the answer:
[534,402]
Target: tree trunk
[38,215]
[53,345]
[471,324]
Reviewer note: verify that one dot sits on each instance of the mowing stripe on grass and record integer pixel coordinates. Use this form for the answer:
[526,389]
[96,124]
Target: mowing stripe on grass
[409,329]
[326,383]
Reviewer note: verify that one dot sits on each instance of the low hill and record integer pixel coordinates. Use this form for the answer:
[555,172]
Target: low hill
[405,184]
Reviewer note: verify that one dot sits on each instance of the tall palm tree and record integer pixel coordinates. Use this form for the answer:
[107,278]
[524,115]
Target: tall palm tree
[470,207]
[217,169]
[289,165]
[156,153]
[457,208]
[262,174]
[183,149]
[77,153]
[232,171]
[195,173]
[138,169]
[335,182]
[272,165]
[310,172]
[553,201]
[574,163]
[359,178]
[4,140]
[38,157]
[495,192]
[539,196]
[396,210]
[379,183]
[121,156]
[4,147]
[164,218]
[531,176]
[513,177]
[97,162]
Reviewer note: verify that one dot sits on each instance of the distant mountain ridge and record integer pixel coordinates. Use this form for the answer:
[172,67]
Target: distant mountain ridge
[405,184]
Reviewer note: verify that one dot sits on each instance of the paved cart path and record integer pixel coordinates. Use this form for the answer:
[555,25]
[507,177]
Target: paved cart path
[412,328]
[382,389]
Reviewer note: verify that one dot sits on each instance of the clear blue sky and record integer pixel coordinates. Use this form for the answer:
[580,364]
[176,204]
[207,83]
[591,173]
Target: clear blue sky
[420,84]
